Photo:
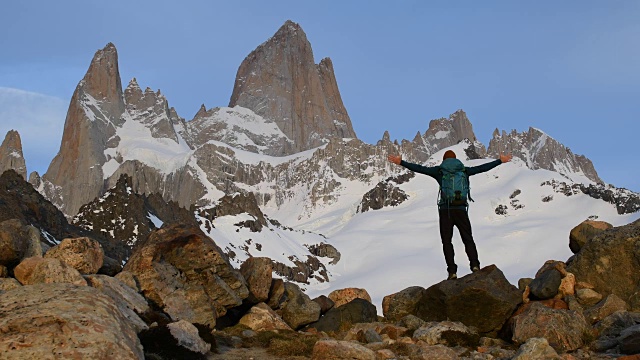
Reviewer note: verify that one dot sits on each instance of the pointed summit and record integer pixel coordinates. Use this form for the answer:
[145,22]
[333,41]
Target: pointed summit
[11,156]
[280,81]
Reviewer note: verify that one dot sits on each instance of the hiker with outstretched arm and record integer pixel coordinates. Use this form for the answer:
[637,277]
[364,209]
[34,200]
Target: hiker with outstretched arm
[453,178]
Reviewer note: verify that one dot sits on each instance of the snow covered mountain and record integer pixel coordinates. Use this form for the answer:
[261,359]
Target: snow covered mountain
[311,202]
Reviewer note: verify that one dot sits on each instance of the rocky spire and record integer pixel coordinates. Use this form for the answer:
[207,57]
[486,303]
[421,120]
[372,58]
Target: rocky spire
[11,156]
[95,110]
[443,133]
[540,151]
[280,82]
[152,109]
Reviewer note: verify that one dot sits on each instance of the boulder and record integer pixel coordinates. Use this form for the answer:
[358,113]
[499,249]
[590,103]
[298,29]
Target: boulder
[483,299]
[110,266]
[588,297]
[187,275]
[403,303]
[7,284]
[177,340]
[17,242]
[609,262]
[584,232]
[130,303]
[276,294]
[338,350]
[83,254]
[64,321]
[343,296]
[298,309]
[325,303]
[545,285]
[364,332]
[257,271]
[37,270]
[262,318]
[342,317]
[563,329]
[536,348]
[447,333]
[604,308]
[609,329]
[630,340]
[430,352]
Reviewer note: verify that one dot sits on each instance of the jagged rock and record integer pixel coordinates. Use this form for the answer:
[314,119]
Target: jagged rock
[563,329]
[540,151]
[536,348]
[567,286]
[584,232]
[177,340]
[96,109]
[383,194]
[626,201]
[483,299]
[126,218]
[397,306]
[152,109]
[82,254]
[11,156]
[261,318]
[298,309]
[545,285]
[344,296]
[257,271]
[325,303]
[17,242]
[325,250]
[630,340]
[264,84]
[64,321]
[339,350]
[187,275]
[342,317]
[443,133]
[609,329]
[37,270]
[129,302]
[604,308]
[447,333]
[608,259]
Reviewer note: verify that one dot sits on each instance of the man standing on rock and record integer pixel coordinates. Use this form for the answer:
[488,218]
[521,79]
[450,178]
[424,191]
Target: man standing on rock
[453,178]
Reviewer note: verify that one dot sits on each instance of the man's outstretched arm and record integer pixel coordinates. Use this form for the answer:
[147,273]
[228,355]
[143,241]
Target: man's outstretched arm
[397,159]
[488,166]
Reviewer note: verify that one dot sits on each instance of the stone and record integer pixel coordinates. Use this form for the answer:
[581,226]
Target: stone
[11,156]
[403,303]
[298,309]
[545,286]
[563,329]
[441,352]
[604,308]
[257,271]
[447,333]
[567,286]
[630,340]
[130,303]
[83,254]
[276,294]
[262,318]
[325,303]
[128,279]
[584,232]
[536,348]
[343,317]
[607,260]
[7,284]
[176,340]
[588,297]
[411,322]
[483,299]
[65,321]
[339,350]
[344,296]
[37,270]
[110,266]
[187,275]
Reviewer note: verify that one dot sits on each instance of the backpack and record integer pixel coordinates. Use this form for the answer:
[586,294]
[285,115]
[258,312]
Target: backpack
[454,189]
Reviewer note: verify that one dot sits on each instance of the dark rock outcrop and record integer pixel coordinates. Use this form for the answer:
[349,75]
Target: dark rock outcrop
[385,193]
[11,156]
[342,317]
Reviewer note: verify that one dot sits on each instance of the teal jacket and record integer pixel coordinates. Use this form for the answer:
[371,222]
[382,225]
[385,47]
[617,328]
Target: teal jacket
[435,173]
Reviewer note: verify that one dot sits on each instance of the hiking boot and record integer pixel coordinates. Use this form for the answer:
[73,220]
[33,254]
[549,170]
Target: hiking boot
[452,276]
[475,268]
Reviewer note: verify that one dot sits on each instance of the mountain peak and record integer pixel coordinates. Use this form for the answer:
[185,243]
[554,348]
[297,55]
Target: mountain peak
[11,156]
[280,82]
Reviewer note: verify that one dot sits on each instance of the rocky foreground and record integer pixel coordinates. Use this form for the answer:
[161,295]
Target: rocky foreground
[179,298]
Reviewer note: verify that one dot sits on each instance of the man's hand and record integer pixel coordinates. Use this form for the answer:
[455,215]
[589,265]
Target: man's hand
[395,159]
[505,158]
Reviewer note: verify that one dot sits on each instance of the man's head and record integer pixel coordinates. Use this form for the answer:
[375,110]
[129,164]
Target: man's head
[449,154]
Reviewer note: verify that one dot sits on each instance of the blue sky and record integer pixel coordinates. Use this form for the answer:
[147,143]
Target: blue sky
[569,68]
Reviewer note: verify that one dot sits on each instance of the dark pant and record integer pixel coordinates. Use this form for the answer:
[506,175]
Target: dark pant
[460,219]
